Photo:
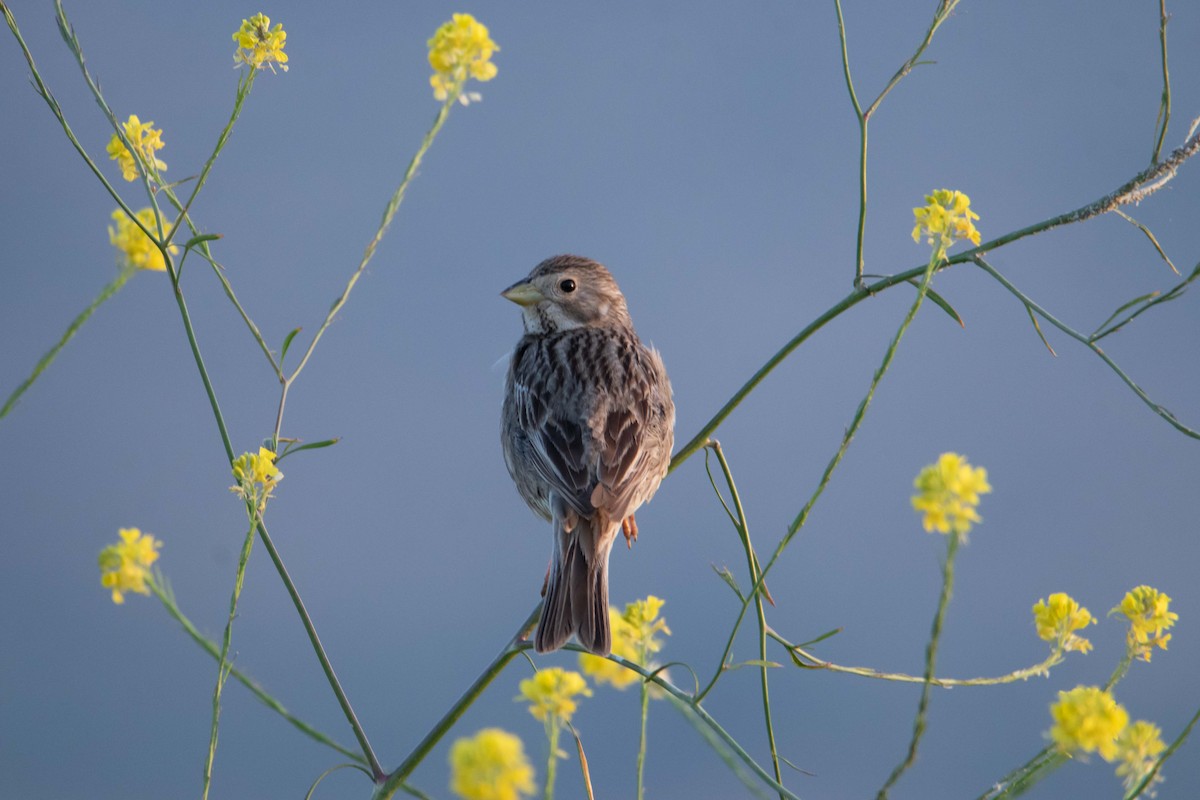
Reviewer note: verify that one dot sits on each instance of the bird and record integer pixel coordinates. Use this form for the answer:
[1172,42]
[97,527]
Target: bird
[587,428]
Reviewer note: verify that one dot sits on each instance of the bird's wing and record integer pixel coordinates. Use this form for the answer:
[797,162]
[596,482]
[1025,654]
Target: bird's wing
[558,450]
[621,474]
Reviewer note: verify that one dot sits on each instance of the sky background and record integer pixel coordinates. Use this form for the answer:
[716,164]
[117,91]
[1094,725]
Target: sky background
[707,153]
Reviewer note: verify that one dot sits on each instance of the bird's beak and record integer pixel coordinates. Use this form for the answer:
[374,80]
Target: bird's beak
[523,294]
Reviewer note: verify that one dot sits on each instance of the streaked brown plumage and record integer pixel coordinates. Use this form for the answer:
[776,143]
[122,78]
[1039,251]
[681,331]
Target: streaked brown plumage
[587,428]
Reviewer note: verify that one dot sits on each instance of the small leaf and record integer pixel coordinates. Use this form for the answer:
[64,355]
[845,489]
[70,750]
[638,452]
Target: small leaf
[820,638]
[1038,328]
[204,237]
[287,342]
[798,769]
[941,303]
[1162,254]
[309,446]
[727,576]
[1123,307]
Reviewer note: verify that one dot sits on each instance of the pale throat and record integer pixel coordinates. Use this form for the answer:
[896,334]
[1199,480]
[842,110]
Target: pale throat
[546,318]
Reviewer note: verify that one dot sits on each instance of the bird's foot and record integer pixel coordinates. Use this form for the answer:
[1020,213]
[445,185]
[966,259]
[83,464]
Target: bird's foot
[629,528]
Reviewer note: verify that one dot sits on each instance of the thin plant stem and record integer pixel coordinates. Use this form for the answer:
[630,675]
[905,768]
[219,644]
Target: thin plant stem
[147,170]
[517,644]
[1150,301]
[326,666]
[1023,778]
[223,665]
[641,754]
[1148,779]
[388,213]
[44,92]
[1134,190]
[245,84]
[855,422]
[108,291]
[552,731]
[210,647]
[864,117]
[806,660]
[1091,345]
[930,663]
[687,703]
[1164,110]
[752,568]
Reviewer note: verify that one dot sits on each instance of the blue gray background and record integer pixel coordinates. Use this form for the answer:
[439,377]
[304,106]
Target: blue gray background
[707,153]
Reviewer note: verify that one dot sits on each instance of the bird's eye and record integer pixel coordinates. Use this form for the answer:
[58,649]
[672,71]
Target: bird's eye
[567,285]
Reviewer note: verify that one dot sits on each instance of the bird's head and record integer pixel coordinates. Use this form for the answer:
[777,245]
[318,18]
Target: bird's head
[565,292]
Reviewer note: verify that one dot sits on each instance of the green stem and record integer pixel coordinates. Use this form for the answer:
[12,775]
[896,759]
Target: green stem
[44,92]
[855,422]
[223,665]
[1090,344]
[210,647]
[1164,110]
[864,117]
[515,646]
[553,728]
[108,291]
[930,662]
[1024,777]
[752,568]
[326,666]
[806,660]
[1135,190]
[245,84]
[641,754]
[1148,779]
[388,212]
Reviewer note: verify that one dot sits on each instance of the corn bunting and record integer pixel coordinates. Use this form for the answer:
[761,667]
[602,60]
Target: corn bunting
[587,428]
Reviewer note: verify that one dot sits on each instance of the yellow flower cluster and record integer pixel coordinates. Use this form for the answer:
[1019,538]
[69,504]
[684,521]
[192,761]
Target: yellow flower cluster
[260,45]
[1058,618]
[551,693]
[947,218]
[948,493]
[1088,719]
[460,49]
[1149,614]
[146,140]
[134,247]
[256,476]
[491,765]
[1138,747]
[634,638]
[125,566]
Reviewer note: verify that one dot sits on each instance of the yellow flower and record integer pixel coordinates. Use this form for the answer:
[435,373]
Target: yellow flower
[634,638]
[1138,747]
[135,247]
[490,765]
[551,693]
[260,45]
[460,49]
[1059,618]
[947,218]
[948,492]
[145,138]
[1087,719]
[1149,615]
[125,566]
[256,476]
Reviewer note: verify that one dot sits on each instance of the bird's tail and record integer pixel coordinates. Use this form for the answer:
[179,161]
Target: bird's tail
[577,592]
